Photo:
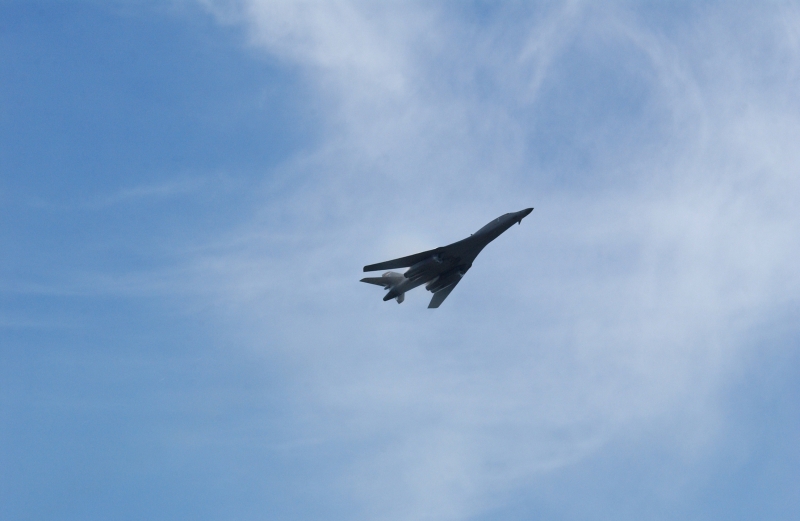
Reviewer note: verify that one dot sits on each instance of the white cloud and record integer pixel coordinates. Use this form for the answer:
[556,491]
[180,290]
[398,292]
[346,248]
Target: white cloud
[616,306]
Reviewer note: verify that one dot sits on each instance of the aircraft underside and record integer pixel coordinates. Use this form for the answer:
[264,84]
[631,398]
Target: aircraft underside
[439,269]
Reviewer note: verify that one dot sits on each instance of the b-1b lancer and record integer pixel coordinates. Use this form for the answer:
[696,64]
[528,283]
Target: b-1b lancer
[441,268]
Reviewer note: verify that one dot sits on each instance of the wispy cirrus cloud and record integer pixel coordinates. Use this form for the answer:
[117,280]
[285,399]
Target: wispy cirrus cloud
[658,152]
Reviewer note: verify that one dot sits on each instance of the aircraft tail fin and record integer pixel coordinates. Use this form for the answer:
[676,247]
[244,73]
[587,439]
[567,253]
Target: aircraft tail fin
[389,279]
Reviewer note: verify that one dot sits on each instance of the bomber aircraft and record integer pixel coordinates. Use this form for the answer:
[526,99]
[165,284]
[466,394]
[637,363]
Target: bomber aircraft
[441,268]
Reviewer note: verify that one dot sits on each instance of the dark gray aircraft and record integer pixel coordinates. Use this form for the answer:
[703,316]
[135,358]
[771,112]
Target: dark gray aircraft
[441,268]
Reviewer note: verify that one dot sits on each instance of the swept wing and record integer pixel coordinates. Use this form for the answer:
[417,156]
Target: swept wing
[442,294]
[403,262]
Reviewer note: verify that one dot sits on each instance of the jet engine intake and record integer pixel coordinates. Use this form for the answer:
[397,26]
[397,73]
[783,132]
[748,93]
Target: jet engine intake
[423,266]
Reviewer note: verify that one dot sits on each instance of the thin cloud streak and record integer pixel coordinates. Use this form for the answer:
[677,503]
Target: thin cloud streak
[144,193]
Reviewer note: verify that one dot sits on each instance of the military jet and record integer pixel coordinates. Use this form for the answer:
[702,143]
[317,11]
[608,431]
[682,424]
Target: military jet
[441,268]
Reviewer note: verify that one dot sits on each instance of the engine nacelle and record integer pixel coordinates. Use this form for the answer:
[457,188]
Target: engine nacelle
[445,280]
[423,266]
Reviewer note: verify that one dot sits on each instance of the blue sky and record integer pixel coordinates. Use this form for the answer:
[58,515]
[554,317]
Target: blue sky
[188,191]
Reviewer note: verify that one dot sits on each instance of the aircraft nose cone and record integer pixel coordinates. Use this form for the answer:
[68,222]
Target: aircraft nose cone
[521,215]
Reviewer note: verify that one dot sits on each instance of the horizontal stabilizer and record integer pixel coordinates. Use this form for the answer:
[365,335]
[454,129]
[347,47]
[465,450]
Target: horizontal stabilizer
[378,281]
[402,262]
